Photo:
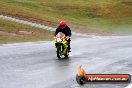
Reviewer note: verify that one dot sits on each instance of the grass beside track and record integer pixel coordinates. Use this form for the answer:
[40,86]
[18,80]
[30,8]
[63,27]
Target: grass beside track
[11,32]
[101,15]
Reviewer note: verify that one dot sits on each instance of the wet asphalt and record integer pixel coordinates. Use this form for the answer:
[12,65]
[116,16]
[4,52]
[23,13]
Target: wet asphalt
[35,65]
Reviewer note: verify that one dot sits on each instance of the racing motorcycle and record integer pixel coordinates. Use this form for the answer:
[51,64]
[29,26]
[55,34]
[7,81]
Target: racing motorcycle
[61,45]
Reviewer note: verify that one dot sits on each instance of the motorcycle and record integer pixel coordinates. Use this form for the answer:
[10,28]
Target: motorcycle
[61,45]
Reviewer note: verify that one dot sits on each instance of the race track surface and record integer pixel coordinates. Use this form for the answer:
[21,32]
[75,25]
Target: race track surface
[35,65]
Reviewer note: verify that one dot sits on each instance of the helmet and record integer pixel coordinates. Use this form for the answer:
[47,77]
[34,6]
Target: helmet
[62,24]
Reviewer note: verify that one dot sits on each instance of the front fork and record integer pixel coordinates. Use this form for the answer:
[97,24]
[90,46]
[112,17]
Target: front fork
[59,46]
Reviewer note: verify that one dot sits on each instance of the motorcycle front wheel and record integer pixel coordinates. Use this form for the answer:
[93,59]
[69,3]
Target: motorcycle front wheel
[59,52]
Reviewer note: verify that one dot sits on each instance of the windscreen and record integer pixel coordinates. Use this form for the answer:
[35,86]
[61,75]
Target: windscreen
[60,34]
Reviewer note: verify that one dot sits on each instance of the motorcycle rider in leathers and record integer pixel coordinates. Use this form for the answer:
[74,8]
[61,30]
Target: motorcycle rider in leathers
[66,30]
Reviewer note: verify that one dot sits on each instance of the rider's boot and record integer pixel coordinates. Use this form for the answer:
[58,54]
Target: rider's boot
[69,48]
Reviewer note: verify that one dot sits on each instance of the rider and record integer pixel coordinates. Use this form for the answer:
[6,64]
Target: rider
[66,30]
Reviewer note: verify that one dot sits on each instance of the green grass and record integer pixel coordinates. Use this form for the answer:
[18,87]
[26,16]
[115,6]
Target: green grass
[10,33]
[103,15]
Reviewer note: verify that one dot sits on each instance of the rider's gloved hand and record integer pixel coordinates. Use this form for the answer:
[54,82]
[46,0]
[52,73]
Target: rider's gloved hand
[67,37]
